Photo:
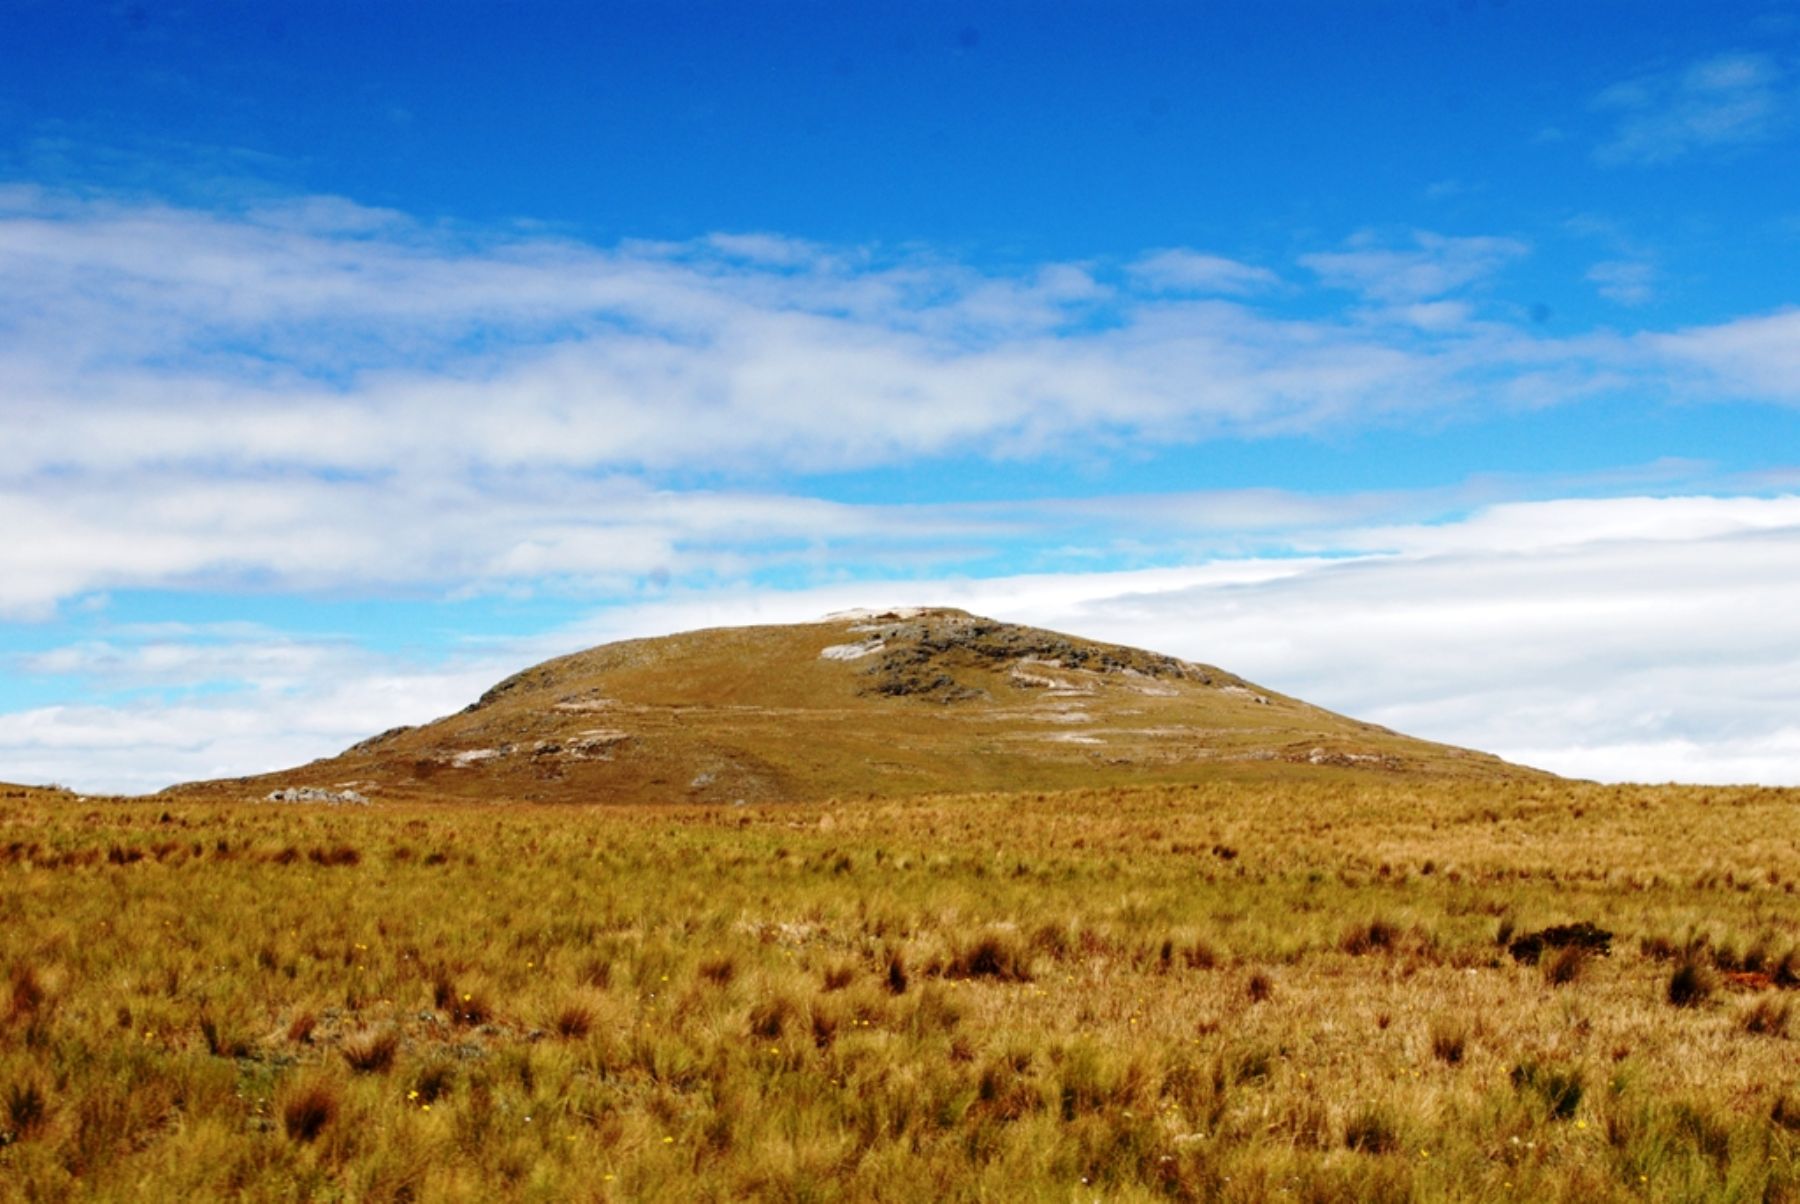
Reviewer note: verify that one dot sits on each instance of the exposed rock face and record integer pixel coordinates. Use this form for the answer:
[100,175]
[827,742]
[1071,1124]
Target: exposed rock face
[315,794]
[922,653]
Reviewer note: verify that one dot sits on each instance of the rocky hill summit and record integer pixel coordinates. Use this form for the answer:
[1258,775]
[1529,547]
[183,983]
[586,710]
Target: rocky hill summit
[859,704]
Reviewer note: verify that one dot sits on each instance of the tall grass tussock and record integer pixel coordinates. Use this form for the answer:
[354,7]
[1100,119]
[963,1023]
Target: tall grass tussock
[989,996]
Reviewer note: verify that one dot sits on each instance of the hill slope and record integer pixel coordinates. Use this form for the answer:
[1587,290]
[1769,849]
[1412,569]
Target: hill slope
[900,702]
[14,792]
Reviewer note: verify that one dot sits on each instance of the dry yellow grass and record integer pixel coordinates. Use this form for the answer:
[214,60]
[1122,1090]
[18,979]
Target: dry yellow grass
[1243,990]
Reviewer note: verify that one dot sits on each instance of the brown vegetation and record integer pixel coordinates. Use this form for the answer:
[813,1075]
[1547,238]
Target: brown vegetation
[984,996]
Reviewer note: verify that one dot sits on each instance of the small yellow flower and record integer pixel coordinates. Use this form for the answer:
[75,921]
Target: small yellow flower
[412,1095]
[668,1141]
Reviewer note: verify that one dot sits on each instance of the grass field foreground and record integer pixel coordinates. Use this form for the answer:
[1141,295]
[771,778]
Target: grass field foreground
[1307,989]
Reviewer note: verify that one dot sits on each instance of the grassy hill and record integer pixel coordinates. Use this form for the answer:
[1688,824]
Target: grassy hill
[890,705]
[11,792]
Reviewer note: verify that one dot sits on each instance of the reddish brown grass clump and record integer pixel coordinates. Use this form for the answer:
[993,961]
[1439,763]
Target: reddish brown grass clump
[993,955]
[300,1028]
[372,1052]
[574,1021]
[308,1111]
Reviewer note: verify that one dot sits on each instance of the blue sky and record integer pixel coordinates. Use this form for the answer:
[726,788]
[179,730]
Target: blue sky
[1438,363]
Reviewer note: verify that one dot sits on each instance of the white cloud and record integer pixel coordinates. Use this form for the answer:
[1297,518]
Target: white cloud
[1627,281]
[317,395]
[1177,269]
[287,700]
[1753,357]
[1728,100]
[298,532]
[152,335]
[1433,266]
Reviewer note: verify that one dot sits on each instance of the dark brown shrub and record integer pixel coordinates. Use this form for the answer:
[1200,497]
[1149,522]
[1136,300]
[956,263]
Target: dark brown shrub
[1371,1131]
[1260,987]
[772,1017]
[574,1021]
[1582,936]
[1690,985]
[896,972]
[26,1108]
[435,1081]
[1359,939]
[994,955]
[719,970]
[308,1111]
[839,976]
[1449,1041]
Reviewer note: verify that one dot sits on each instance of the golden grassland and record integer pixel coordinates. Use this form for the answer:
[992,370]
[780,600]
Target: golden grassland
[1244,990]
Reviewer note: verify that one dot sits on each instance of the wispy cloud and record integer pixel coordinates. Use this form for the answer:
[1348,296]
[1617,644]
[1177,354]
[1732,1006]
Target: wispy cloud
[1431,266]
[312,395]
[1726,101]
[1751,357]
[1178,270]
[1626,281]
